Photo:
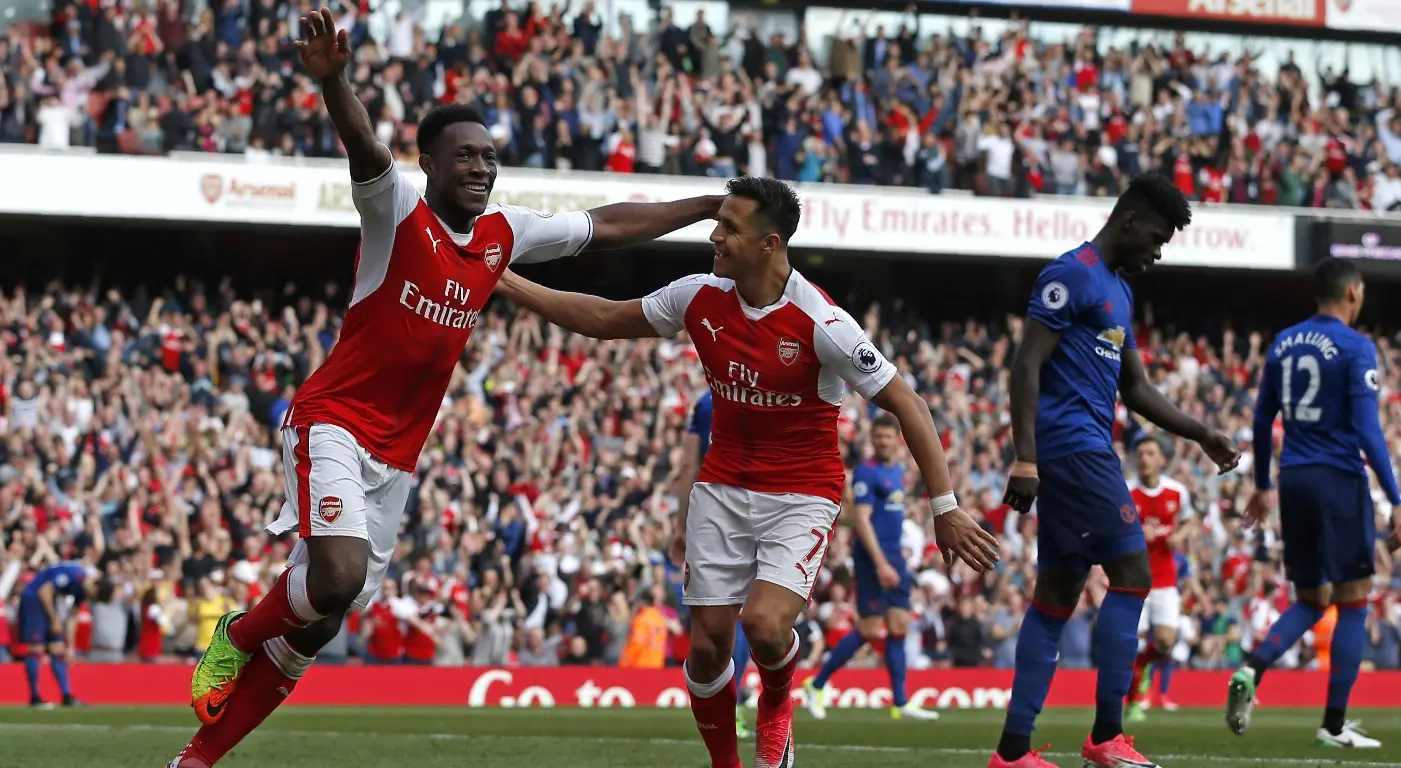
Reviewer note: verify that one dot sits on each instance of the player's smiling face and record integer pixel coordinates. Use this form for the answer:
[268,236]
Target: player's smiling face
[739,243]
[462,168]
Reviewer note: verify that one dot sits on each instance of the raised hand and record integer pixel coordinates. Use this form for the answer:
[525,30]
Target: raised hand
[325,50]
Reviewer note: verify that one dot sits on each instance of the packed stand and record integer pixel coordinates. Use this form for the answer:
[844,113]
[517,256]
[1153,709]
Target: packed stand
[139,435]
[921,107]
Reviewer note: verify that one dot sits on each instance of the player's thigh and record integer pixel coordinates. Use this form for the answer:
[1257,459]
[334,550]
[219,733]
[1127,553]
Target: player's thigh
[1064,523]
[1302,506]
[793,531]
[34,624]
[720,546]
[386,495]
[1163,608]
[869,594]
[1349,528]
[325,483]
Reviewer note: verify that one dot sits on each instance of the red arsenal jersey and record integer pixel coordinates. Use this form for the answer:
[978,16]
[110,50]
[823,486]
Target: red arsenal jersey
[419,289]
[778,374]
[1160,509]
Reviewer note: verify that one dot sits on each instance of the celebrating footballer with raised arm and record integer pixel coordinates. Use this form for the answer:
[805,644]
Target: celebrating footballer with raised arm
[778,355]
[352,437]
[1077,355]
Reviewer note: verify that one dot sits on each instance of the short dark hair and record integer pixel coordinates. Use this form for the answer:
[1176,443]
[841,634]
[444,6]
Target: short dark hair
[439,118]
[1331,278]
[1155,193]
[885,421]
[775,201]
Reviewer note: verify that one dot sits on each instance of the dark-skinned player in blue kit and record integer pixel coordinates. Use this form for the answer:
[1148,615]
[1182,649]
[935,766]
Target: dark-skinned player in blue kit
[1076,355]
[1322,375]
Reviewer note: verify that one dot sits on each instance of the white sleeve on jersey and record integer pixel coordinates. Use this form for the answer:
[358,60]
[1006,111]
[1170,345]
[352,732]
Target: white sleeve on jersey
[546,236]
[1184,497]
[383,204]
[843,347]
[665,307]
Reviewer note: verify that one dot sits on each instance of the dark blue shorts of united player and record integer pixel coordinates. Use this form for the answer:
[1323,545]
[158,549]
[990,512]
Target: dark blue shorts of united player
[872,599]
[33,623]
[1084,513]
[1328,524]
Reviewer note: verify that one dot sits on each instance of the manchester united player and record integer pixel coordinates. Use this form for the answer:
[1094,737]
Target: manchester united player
[778,355]
[352,436]
[1165,510]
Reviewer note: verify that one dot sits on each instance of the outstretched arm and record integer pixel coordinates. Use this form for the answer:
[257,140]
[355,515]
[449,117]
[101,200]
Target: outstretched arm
[325,52]
[622,224]
[578,312]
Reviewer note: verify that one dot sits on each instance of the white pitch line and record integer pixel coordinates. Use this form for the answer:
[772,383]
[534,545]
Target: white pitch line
[946,751]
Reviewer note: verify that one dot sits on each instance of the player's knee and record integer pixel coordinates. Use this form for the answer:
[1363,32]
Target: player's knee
[336,577]
[708,657]
[897,624]
[767,633]
[1165,640]
[1130,573]
[309,640]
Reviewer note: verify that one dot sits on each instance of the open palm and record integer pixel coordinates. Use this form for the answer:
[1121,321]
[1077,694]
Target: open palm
[324,50]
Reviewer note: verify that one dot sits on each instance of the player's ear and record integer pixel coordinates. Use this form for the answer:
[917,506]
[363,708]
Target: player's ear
[772,242]
[425,161]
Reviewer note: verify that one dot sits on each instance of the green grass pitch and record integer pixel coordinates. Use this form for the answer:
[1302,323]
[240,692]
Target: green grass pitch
[356,737]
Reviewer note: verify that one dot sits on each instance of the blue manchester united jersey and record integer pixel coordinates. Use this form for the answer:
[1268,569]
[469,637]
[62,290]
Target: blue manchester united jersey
[1091,307]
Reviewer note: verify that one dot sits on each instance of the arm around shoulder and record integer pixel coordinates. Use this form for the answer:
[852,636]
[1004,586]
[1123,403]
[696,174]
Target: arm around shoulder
[580,313]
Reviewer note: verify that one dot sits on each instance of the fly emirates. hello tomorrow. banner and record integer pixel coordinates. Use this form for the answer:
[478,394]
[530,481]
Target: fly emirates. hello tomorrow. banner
[848,218]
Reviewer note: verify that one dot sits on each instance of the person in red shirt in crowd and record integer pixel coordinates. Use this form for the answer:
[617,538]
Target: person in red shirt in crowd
[381,630]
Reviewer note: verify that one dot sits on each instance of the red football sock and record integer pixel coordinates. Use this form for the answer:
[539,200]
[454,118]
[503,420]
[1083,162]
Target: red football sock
[1147,656]
[262,687]
[286,607]
[778,679]
[713,705]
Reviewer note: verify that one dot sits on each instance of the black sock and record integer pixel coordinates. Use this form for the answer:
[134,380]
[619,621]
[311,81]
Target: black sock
[1259,666]
[1013,746]
[1104,731]
[1333,720]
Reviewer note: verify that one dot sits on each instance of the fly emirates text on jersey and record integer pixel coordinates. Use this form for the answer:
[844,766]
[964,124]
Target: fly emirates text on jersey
[452,311]
[743,387]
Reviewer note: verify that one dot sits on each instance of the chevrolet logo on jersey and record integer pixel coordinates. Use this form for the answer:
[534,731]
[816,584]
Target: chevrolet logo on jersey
[1115,338]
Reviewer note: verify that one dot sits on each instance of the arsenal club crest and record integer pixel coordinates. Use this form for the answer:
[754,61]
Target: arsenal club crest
[212,185]
[492,256]
[331,508]
[788,350]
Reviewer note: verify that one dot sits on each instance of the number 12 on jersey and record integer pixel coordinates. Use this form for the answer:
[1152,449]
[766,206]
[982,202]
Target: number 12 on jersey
[1304,410]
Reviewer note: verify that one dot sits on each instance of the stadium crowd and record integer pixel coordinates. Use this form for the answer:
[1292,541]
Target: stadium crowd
[998,114]
[139,434]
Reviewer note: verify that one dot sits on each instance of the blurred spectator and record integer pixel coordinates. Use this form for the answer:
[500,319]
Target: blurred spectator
[940,104]
[137,430]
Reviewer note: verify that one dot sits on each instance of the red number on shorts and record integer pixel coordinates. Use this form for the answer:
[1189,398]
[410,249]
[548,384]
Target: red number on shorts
[816,548]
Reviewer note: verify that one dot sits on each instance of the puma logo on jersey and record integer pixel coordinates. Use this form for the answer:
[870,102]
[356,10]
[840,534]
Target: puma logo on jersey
[705,321]
[429,231]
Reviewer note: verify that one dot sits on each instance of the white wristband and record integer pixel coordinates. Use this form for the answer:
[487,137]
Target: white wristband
[943,503]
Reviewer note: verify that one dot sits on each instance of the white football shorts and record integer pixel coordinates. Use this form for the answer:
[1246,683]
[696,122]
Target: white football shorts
[334,487]
[734,536]
[1163,608]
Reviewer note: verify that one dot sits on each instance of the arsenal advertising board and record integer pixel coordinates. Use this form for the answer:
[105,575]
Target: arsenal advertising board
[1309,13]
